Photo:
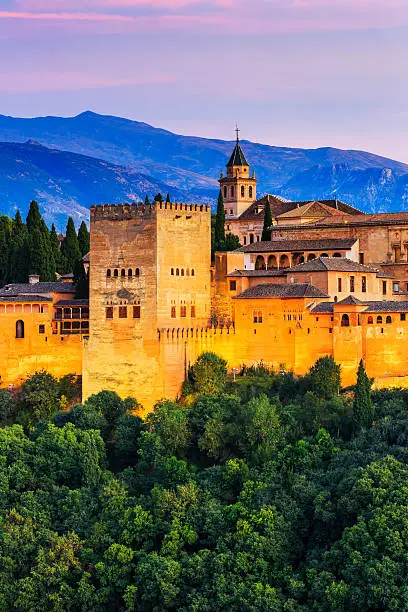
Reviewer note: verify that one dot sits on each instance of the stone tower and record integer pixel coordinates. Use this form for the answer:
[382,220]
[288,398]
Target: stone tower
[149,281]
[238,187]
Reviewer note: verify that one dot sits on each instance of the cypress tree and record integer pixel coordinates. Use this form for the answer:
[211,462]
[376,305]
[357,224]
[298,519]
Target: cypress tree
[147,201]
[55,248]
[83,239]
[363,408]
[81,280]
[70,247]
[34,216]
[158,197]
[19,256]
[267,232]
[219,232]
[5,237]
[168,200]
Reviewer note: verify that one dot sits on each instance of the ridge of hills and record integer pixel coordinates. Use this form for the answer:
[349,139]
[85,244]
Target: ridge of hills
[118,159]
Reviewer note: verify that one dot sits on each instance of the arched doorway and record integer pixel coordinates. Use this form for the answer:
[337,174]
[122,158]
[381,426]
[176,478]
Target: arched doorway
[284,262]
[260,263]
[311,256]
[345,320]
[272,263]
[20,329]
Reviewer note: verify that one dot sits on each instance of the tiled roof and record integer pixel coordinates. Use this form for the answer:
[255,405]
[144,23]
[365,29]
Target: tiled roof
[323,308]
[256,210]
[72,303]
[387,306]
[255,273]
[278,245]
[350,301]
[361,220]
[37,288]
[237,158]
[294,290]
[337,264]
[312,209]
[384,274]
[25,298]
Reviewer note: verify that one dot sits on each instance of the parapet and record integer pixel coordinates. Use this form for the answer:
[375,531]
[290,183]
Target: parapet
[120,212]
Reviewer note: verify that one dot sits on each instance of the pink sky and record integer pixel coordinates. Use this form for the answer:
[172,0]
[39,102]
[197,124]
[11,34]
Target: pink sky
[293,72]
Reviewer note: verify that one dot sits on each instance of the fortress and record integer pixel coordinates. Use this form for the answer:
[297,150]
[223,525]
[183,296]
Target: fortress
[331,281]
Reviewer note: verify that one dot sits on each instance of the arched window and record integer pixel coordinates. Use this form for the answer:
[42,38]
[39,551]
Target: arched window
[182,271]
[192,272]
[250,192]
[177,272]
[225,192]
[251,238]
[324,255]
[137,272]
[242,191]
[272,263]
[379,320]
[370,320]
[345,321]
[311,256]
[337,255]
[108,273]
[188,272]
[172,272]
[260,263]
[130,273]
[116,273]
[20,329]
[123,272]
[232,191]
[388,320]
[284,261]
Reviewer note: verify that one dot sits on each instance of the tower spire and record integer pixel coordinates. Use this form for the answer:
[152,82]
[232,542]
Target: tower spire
[237,131]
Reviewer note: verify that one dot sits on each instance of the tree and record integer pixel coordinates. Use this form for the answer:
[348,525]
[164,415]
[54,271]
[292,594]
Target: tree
[158,197]
[147,201]
[34,218]
[7,406]
[70,246]
[324,377]
[83,239]
[208,374]
[267,225]
[168,200]
[56,251]
[19,260]
[81,280]
[219,235]
[363,409]
[5,236]
[231,242]
[40,398]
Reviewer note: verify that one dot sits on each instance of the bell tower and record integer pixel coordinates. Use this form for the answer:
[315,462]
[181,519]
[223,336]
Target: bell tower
[238,187]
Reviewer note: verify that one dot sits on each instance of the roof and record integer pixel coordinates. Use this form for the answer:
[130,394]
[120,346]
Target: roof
[255,273]
[336,264]
[72,303]
[37,288]
[237,158]
[312,209]
[371,307]
[350,300]
[279,245]
[323,308]
[293,290]
[280,206]
[362,219]
[25,298]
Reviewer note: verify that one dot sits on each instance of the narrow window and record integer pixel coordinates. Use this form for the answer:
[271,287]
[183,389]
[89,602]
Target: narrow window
[364,284]
[183,311]
[242,192]
[232,191]
[41,329]
[122,312]
[231,211]
[396,287]
[108,273]
[351,284]
[137,272]
[123,273]
[193,312]
[362,258]
[370,320]
[225,192]
[173,312]
[182,271]
[116,273]
[245,240]
[233,285]
[130,273]
[384,287]
[192,272]
[172,272]
[379,320]
[388,320]
[251,238]
[177,272]
[403,316]
[109,312]
[136,312]
[188,272]
[339,289]
[345,321]
[250,192]
[20,329]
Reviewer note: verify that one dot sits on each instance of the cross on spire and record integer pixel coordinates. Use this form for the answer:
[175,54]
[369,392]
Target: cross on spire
[237,131]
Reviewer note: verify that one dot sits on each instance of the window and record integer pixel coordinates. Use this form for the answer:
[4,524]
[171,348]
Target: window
[384,287]
[245,241]
[173,312]
[233,285]
[109,312]
[251,238]
[250,192]
[188,272]
[137,272]
[183,311]
[242,192]
[122,312]
[345,321]
[192,272]
[370,320]
[364,284]
[379,320]
[337,255]
[361,258]
[232,191]
[339,289]
[231,211]
[123,273]
[20,329]
[182,271]
[403,316]
[172,272]
[351,284]
[257,316]
[225,192]
[388,320]
[193,312]
[108,273]
[396,287]
[130,273]
[177,272]
[136,312]
[116,273]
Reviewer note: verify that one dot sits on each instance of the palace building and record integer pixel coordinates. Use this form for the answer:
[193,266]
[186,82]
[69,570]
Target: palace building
[331,281]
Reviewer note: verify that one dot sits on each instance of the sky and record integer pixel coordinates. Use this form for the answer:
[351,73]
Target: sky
[305,73]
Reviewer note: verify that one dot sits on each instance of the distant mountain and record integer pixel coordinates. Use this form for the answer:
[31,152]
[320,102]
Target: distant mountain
[190,165]
[66,183]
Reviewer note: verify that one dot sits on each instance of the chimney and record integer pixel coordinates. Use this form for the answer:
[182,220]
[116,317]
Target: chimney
[33,279]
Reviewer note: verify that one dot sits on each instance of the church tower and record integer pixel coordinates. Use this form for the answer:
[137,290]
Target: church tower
[238,187]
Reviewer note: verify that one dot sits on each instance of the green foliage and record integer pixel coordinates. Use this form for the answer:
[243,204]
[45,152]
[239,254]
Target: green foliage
[70,250]
[324,377]
[83,239]
[39,399]
[81,280]
[158,197]
[208,374]
[8,407]
[363,406]
[219,233]
[267,224]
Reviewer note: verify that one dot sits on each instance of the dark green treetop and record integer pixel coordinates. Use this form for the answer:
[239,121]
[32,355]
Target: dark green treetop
[267,232]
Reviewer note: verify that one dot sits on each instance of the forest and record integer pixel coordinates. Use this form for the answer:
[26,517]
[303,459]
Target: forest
[267,492]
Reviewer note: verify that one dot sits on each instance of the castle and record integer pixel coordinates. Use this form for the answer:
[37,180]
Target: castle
[331,281]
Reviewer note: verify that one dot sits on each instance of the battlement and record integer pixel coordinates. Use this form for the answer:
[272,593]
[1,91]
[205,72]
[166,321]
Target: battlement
[120,212]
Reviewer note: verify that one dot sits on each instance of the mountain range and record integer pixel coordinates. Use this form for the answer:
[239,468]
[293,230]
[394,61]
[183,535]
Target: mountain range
[69,163]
